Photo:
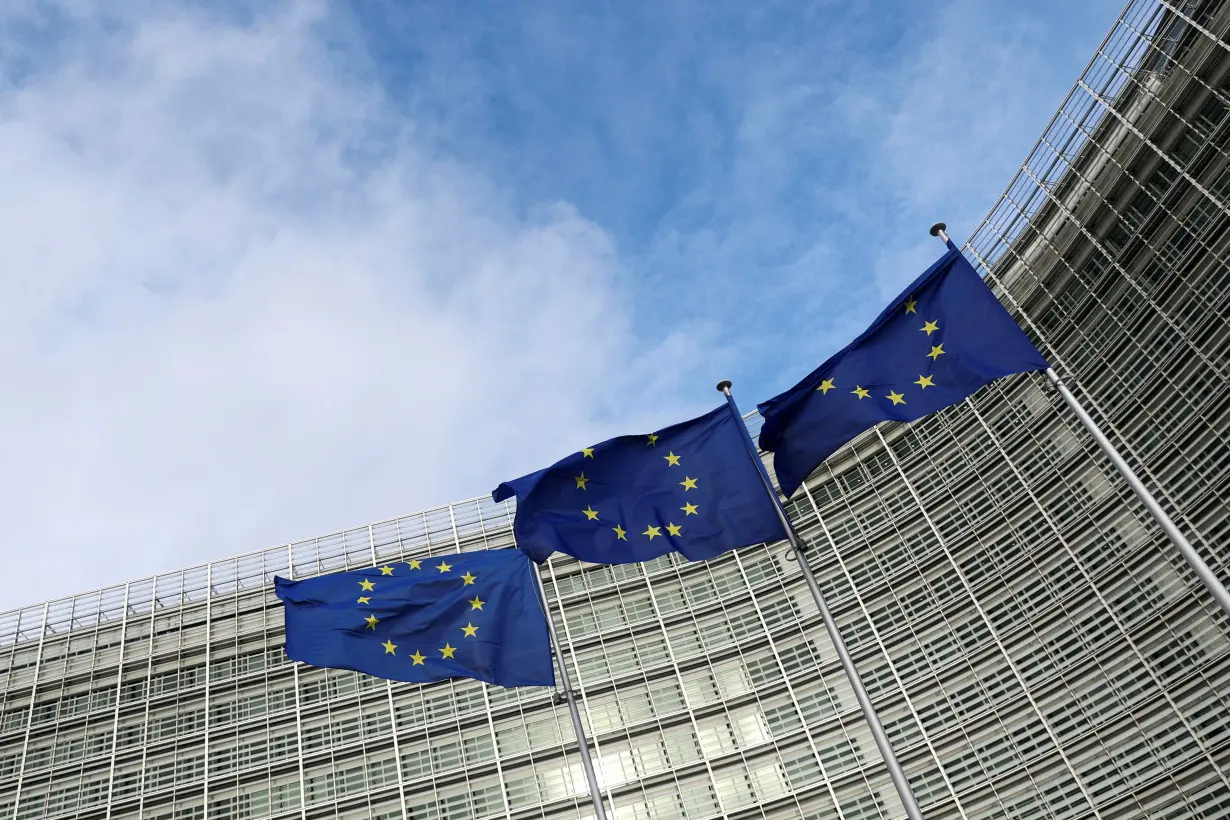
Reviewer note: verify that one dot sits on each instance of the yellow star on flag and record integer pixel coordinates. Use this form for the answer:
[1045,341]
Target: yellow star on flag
[688,483]
[386,570]
[471,630]
[476,603]
[653,441]
[860,392]
[389,646]
[897,398]
[689,509]
[930,327]
[590,513]
[936,352]
[415,563]
[587,452]
[672,460]
[581,481]
[447,651]
[363,599]
[443,567]
[372,620]
[417,658]
[674,529]
[652,532]
[367,585]
[468,578]
[825,386]
[924,382]
[620,533]
[909,306]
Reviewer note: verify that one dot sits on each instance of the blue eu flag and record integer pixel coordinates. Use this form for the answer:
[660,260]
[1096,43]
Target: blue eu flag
[943,338]
[470,615]
[691,488]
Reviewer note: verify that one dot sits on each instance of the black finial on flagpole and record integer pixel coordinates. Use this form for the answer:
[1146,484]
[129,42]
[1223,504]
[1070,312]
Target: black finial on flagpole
[724,386]
[938,228]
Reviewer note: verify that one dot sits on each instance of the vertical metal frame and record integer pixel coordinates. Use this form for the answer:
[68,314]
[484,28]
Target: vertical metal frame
[687,703]
[575,672]
[880,645]
[986,621]
[149,675]
[25,741]
[1093,587]
[790,690]
[209,621]
[119,692]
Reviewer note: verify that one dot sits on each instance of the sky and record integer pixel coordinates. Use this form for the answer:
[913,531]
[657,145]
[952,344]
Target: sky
[272,270]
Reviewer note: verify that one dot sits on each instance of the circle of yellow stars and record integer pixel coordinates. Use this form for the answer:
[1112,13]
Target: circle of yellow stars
[924,381]
[448,651]
[651,532]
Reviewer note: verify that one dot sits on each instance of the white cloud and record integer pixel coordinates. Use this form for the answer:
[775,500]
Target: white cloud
[244,298]
[240,306]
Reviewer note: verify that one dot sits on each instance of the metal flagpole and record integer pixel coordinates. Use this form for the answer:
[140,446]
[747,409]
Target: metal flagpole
[856,683]
[587,762]
[1211,582]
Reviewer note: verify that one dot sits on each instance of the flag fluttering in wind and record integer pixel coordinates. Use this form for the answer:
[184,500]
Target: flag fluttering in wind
[690,488]
[944,337]
[469,615]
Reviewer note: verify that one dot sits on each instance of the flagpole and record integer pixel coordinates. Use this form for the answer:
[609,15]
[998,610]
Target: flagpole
[1211,582]
[587,762]
[856,683]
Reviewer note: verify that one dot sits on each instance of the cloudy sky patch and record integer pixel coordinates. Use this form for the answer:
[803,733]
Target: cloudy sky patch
[268,275]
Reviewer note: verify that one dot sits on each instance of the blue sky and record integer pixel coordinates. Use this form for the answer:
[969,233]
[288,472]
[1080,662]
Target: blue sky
[273,273]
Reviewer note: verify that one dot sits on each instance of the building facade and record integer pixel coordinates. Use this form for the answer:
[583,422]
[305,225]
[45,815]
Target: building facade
[1032,643]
